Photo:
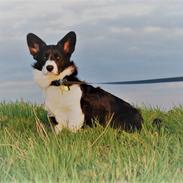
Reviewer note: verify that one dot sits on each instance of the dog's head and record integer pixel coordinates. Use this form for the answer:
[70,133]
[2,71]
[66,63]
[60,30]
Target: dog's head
[52,59]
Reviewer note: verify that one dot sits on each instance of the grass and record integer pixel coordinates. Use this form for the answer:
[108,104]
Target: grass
[31,152]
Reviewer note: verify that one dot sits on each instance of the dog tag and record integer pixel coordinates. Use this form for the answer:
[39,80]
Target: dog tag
[64,88]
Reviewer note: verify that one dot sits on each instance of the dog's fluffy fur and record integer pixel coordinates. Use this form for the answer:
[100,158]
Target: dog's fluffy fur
[75,105]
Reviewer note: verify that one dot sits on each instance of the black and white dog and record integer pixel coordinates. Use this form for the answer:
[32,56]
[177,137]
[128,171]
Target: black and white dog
[71,103]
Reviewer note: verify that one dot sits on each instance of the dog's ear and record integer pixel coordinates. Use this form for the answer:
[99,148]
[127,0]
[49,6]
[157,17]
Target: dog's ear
[67,43]
[34,43]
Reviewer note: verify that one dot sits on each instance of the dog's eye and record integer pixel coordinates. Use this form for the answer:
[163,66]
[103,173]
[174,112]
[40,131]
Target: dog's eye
[58,58]
[44,58]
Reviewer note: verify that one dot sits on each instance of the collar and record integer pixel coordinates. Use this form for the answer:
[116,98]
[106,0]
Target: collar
[59,82]
[62,83]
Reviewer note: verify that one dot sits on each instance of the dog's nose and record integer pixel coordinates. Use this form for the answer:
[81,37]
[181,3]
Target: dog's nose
[49,68]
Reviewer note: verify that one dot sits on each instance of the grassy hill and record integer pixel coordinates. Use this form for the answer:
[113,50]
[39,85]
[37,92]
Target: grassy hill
[31,152]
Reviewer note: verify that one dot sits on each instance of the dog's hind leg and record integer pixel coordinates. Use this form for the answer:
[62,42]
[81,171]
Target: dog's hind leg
[58,128]
[52,119]
[54,124]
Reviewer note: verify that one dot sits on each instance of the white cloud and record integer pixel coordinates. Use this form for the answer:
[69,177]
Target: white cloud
[57,17]
[124,30]
[178,32]
[15,84]
[158,32]
[153,29]
[17,16]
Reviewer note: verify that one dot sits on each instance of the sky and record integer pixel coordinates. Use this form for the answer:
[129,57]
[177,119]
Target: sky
[117,40]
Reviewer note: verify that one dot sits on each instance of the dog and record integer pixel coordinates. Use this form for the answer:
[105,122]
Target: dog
[71,103]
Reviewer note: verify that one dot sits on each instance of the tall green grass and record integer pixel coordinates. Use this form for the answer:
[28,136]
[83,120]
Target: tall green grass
[31,152]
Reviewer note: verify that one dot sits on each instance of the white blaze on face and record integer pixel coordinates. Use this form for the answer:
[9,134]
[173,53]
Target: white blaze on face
[50,63]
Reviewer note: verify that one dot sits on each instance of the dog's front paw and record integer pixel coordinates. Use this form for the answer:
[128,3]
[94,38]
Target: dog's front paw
[58,128]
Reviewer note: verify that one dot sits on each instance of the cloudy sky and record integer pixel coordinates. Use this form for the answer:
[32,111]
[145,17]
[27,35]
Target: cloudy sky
[116,40]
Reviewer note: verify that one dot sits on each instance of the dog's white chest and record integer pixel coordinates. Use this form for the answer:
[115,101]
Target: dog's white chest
[65,106]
